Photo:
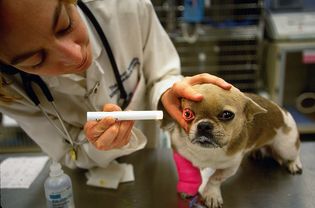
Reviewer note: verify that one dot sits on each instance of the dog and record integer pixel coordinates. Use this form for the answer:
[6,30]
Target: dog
[228,124]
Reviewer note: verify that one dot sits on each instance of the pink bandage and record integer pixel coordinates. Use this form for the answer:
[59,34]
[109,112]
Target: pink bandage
[189,176]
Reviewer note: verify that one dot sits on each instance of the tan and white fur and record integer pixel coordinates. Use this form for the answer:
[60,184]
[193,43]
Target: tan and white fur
[227,125]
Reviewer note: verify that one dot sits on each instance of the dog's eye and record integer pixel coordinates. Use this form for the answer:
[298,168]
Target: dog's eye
[188,114]
[226,116]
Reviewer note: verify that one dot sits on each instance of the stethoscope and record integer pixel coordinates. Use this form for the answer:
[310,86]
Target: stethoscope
[30,79]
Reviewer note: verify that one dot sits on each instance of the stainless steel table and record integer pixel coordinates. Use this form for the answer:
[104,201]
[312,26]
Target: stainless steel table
[259,184]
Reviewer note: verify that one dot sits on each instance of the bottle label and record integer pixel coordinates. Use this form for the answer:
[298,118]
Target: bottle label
[61,199]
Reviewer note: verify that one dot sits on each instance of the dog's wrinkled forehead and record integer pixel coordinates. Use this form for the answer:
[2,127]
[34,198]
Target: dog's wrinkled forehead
[215,99]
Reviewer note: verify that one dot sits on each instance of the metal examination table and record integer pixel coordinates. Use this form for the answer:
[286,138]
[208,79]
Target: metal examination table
[259,184]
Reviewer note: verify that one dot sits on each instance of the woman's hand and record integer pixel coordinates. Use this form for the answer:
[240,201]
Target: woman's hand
[182,89]
[108,133]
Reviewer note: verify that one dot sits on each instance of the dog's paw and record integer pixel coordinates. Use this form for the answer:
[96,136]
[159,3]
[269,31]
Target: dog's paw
[294,167]
[212,198]
[185,195]
[190,201]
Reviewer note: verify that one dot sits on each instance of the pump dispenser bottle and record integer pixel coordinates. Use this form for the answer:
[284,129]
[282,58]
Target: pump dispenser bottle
[58,188]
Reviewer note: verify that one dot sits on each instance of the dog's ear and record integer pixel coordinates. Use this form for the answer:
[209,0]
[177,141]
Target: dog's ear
[252,109]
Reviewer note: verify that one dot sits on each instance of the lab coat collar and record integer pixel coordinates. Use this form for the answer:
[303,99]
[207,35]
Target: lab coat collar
[94,72]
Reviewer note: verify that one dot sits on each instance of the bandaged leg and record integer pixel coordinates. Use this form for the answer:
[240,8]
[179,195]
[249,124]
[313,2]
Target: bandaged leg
[189,177]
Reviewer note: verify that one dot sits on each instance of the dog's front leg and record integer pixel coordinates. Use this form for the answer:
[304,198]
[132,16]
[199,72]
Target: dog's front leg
[212,191]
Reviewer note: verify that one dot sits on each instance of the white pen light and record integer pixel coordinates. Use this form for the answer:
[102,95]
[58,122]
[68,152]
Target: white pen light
[126,115]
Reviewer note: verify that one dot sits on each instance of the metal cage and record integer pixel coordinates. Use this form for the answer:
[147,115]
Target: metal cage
[227,43]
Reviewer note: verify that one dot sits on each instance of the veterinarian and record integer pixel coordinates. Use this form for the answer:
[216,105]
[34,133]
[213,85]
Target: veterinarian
[61,58]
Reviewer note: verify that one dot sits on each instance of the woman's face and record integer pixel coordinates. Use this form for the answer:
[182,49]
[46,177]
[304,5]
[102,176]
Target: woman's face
[43,37]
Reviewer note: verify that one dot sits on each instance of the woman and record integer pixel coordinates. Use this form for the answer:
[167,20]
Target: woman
[56,40]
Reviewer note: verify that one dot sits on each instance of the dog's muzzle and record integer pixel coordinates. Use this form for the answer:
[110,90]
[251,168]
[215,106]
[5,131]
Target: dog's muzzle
[204,135]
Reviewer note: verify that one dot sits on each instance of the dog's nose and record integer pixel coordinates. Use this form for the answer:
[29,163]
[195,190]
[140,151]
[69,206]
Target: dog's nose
[204,126]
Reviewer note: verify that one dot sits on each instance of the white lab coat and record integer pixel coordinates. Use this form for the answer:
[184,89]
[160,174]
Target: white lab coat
[134,33]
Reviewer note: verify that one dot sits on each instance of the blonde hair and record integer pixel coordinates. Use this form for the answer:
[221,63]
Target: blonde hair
[5,97]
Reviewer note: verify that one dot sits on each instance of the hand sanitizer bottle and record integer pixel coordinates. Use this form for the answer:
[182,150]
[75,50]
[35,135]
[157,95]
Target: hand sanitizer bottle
[58,188]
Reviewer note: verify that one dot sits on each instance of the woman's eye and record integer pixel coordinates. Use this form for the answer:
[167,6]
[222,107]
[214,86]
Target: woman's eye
[226,116]
[67,29]
[35,61]
[41,62]
[188,114]
[65,23]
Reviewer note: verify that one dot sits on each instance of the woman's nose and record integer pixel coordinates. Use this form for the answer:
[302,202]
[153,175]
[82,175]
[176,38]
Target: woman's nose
[69,53]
